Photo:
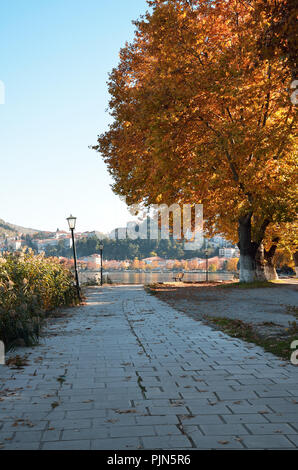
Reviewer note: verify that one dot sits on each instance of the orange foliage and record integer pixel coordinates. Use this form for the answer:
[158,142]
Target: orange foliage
[201,117]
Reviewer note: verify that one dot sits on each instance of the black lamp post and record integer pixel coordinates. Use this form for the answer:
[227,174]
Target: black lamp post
[207,266]
[101,249]
[72,225]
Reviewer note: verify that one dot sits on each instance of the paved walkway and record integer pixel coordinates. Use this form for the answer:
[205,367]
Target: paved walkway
[129,372]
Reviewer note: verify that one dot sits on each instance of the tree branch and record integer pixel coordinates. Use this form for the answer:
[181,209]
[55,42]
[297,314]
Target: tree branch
[267,101]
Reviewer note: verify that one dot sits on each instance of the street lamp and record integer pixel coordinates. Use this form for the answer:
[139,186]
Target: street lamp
[72,225]
[207,267]
[101,249]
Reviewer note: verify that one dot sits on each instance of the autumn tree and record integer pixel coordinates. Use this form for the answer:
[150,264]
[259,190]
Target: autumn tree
[193,264]
[123,265]
[232,264]
[280,32]
[177,265]
[281,242]
[200,117]
[212,268]
[135,264]
[185,265]
[142,264]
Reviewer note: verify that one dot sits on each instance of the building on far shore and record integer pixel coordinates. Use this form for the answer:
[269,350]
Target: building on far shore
[229,252]
[93,260]
[155,260]
[42,244]
[11,244]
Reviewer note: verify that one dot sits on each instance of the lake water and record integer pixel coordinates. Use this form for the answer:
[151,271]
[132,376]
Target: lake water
[151,277]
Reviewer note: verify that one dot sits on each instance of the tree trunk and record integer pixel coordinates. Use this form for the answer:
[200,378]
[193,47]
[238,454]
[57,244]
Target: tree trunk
[270,270]
[260,264]
[295,256]
[247,268]
[252,262]
[247,250]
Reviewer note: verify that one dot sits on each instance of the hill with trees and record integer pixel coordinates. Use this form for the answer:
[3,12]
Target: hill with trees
[10,229]
[128,249]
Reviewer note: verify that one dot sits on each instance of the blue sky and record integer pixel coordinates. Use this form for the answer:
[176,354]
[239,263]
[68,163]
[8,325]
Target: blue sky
[55,56]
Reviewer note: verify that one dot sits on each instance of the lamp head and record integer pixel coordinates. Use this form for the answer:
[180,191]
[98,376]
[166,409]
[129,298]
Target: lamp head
[71,222]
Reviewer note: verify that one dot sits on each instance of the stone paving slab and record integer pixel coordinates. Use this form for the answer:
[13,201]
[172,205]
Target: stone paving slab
[127,371]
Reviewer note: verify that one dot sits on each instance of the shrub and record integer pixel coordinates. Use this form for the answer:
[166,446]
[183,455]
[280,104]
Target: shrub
[30,287]
[212,268]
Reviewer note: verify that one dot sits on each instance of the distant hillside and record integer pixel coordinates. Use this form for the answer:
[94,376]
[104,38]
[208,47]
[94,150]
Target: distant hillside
[11,229]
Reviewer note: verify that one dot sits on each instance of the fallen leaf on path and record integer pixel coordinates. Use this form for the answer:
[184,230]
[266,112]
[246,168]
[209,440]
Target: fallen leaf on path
[55,404]
[125,411]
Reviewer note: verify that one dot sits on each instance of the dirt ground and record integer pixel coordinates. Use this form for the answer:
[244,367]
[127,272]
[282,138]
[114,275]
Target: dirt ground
[268,309]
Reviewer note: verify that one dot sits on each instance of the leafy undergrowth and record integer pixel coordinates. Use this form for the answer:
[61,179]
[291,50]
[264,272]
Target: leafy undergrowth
[280,346]
[31,286]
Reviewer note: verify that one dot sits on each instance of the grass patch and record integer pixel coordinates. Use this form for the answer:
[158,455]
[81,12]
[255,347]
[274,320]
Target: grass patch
[152,288]
[272,337]
[280,347]
[248,285]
